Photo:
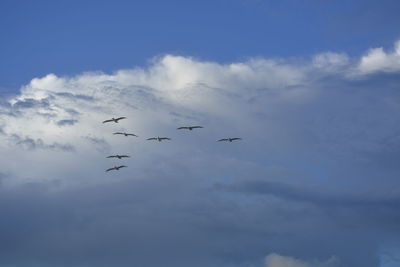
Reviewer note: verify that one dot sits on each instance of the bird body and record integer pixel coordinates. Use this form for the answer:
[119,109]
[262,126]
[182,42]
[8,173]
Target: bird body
[159,139]
[126,134]
[229,139]
[189,127]
[116,168]
[114,119]
[118,156]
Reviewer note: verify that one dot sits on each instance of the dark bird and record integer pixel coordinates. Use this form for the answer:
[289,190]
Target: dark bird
[126,134]
[189,127]
[114,119]
[229,139]
[118,156]
[159,139]
[115,168]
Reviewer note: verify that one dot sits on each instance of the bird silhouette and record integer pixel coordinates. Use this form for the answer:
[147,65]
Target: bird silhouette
[118,156]
[114,119]
[116,168]
[189,127]
[229,139]
[126,134]
[159,139]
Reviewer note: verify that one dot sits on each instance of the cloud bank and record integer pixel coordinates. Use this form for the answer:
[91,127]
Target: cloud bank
[316,174]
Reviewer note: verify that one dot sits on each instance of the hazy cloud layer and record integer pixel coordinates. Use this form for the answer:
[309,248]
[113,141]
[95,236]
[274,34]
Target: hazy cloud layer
[314,178]
[276,260]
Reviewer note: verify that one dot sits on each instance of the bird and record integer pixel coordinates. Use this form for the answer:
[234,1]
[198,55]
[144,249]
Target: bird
[118,156]
[116,168]
[229,139]
[114,119]
[159,139]
[126,134]
[189,127]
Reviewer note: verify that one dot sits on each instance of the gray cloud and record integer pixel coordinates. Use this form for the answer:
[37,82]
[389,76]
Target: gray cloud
[32,144]
[66,122]
[75,96]
[320,196]
[128,222]
[31,103]
[100,144]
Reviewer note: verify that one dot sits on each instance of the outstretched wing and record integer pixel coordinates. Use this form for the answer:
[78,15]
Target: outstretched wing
[122,166]
[132,135]
[180,128]
[118,133]
[223,139]
[120,118]
[153,138]
[110,169]
[165,138]
[107,121]
[112,157]
[124,156]
[236,138]
[194,127]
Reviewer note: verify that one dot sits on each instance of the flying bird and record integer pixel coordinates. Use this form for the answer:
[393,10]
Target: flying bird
[126,134]
[229,139]
[116,168]
[114,119]
[189,127]
[118,156]
[159,139]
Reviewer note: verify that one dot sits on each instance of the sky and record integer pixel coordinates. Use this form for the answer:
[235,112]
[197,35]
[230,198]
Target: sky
[311,87]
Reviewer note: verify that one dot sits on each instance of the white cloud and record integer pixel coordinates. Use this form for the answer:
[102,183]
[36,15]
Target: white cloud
[378,60]
[259,99]
[66,112]
[276,260]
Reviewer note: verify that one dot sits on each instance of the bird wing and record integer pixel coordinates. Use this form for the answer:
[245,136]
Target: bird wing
[110,169]
[120,118]
[165,138]
[107,121]
[118,133]
[124,156]
[182,128]
[111,156]
[153,138]
[223,139]
[196,127]
[236,138]
[132,135]
[122,166]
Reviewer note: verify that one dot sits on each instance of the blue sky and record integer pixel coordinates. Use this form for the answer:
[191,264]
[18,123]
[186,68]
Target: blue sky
[311,87]
[68,37]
